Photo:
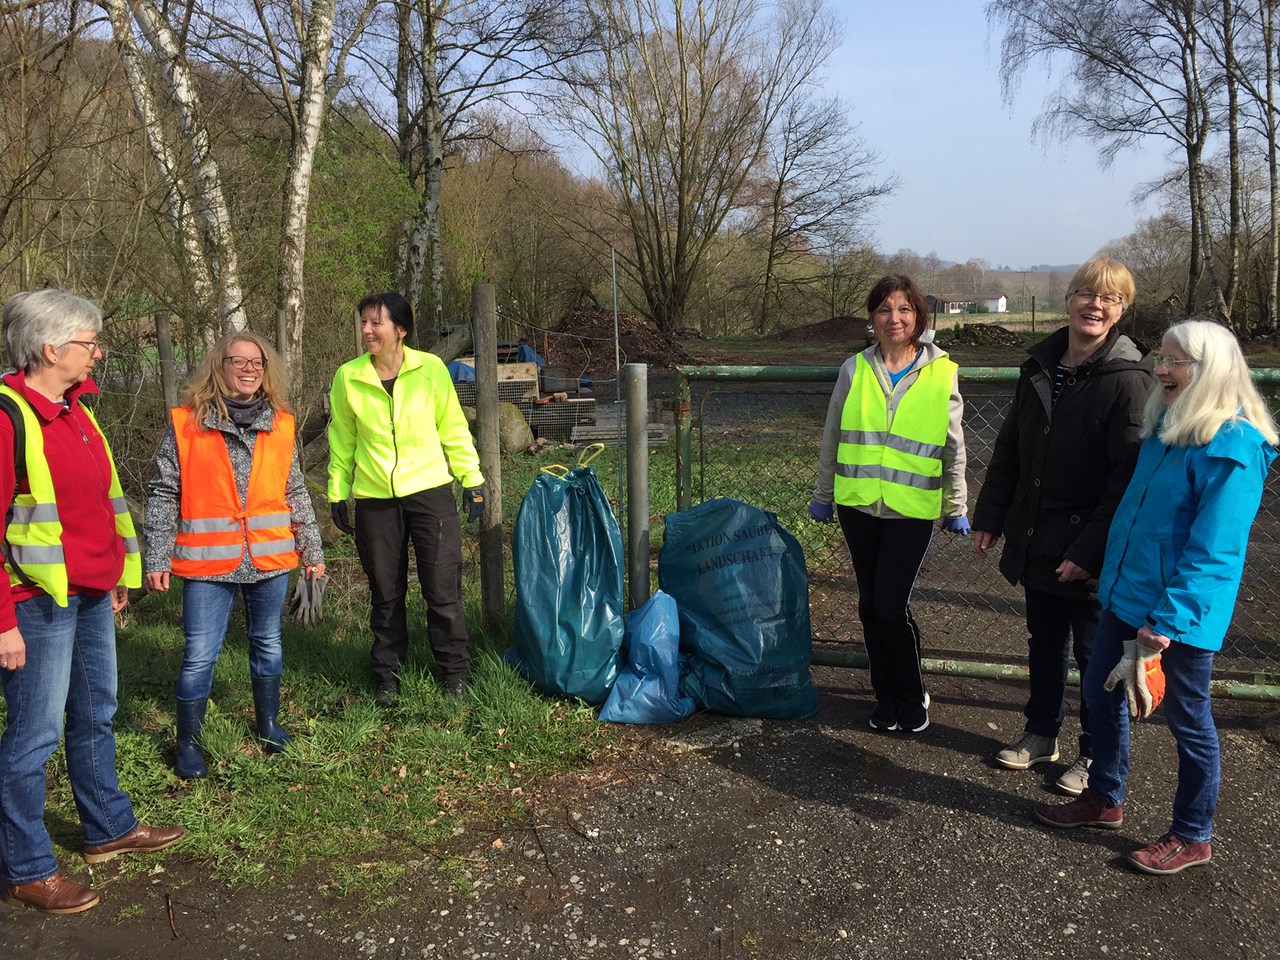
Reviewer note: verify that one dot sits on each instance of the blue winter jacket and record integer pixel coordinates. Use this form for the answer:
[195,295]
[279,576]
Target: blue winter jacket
[1175,551]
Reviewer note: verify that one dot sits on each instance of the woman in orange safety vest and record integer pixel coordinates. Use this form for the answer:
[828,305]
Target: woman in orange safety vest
[229,510]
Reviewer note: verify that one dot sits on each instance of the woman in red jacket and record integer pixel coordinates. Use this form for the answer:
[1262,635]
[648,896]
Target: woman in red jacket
[71,556]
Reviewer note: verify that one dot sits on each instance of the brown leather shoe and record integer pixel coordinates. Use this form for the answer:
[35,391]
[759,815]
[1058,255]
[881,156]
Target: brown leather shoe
[142,839]
[56,894]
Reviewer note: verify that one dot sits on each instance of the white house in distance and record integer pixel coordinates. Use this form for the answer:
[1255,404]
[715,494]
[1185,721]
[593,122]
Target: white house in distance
[995,303]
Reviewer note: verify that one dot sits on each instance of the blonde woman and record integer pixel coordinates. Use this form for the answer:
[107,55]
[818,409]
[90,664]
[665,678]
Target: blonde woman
[1174,558]
[229,510]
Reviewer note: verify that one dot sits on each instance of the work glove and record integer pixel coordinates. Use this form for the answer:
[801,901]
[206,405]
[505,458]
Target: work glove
[473,502]
[957,525]
[1139,671]
[305,602]
[822,512]
[341,520]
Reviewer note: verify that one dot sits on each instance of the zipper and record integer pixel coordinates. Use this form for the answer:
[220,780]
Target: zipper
[96,466]
[395,446]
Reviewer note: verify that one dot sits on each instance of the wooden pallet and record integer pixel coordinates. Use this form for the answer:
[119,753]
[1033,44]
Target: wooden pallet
[608,433]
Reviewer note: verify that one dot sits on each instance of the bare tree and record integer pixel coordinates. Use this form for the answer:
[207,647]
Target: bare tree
[1255,71]
[214,215]
[1138,69]
[442,61]
[677,107]
[818,179]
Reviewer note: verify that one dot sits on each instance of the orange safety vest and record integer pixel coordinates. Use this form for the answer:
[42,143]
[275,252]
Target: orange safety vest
[214,526]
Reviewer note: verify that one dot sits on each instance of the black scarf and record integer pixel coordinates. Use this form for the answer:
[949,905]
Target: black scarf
[244,413]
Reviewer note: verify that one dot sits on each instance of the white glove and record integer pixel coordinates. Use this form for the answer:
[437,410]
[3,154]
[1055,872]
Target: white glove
[1133,670]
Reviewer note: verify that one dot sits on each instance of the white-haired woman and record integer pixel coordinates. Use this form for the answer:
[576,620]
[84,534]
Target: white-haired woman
[71,555]
[1175,555]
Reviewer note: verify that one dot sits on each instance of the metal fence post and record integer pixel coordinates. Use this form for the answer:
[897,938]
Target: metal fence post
[635,381]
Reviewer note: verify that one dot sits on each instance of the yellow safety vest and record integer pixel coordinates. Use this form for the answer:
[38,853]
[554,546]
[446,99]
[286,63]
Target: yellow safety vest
[33,538]
[899,463]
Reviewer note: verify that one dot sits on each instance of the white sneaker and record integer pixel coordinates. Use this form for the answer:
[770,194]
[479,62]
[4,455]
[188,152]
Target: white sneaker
[1028,750]
[1075,778]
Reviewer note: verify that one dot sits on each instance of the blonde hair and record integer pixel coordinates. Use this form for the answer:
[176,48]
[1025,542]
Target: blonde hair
[1104,275]
[208,385]
[1221,389]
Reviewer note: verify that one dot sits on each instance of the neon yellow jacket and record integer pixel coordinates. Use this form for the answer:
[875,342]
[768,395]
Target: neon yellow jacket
[386,445]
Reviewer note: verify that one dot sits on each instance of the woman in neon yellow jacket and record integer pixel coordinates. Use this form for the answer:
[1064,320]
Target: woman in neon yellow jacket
[893,462]
[397,441]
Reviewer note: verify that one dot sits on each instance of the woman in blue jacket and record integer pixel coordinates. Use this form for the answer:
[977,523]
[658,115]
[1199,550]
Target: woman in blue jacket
[1174,558]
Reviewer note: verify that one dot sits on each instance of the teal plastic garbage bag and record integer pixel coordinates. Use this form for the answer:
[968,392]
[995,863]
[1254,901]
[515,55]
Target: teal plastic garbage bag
[739,580]
[567,550]
[648,686]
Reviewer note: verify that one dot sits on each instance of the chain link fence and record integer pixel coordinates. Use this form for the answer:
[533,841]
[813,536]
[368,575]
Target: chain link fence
[757,439]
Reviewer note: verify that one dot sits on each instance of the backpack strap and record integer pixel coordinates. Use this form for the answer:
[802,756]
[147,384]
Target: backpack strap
[11,410]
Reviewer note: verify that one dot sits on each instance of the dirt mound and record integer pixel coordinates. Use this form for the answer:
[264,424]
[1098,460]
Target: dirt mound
[837,328]
[582,343]
[984,335]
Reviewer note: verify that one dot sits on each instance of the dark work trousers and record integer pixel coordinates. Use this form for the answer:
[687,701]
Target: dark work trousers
[887,555]
[1058,626]
[384,529]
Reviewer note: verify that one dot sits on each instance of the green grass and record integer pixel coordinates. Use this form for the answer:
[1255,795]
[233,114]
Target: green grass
[360,790]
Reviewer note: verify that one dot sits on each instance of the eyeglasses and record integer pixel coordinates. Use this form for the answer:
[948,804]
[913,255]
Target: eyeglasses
[1106,299]
[93,346]
[1163,361]
[246,363]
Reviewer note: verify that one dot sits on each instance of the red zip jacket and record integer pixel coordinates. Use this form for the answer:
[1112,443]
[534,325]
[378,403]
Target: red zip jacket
[81,474]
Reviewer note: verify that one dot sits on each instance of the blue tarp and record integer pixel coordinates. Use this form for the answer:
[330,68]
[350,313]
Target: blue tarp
[461,372]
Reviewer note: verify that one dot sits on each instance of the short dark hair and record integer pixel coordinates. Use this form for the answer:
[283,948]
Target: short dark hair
[398,309]
[901,283]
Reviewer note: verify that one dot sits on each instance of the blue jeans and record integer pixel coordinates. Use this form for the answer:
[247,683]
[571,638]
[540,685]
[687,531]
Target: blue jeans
[206,607]
[1187,671]
[71,672]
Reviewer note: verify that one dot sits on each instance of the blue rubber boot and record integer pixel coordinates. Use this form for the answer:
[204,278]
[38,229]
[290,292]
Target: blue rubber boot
[189,761]
[266,702]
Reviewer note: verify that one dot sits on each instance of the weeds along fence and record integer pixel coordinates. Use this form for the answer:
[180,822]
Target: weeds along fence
[754,433]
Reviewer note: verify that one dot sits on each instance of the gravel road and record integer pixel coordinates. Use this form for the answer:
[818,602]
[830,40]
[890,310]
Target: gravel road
[726,838]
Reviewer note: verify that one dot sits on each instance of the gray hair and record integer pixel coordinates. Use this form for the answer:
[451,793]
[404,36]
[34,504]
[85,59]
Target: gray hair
[36,317]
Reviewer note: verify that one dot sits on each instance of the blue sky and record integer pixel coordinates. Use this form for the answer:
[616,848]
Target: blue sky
[921,78]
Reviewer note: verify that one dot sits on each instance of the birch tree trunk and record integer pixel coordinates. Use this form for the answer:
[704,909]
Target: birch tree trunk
[215,217]
[307,121]
[179,206]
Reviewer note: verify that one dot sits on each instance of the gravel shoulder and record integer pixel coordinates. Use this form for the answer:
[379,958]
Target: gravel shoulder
[727,837]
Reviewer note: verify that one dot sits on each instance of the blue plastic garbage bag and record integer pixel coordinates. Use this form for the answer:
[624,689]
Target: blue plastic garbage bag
[739,580]
[648,686]
[567,550]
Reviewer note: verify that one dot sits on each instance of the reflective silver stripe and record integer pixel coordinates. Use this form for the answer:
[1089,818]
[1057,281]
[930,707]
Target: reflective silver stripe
[28,555]
[36,513]
[916,448]
[207,525]
[131,545]
[269,548]
[874,471]
[121,504]
[268,520]
[226,552]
